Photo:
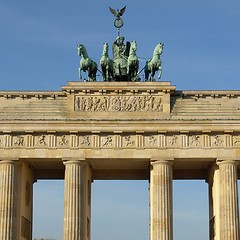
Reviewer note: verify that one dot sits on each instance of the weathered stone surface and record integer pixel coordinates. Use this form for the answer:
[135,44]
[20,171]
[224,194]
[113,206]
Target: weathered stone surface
[228,200]
[117,128]
[161,222]
[8,221]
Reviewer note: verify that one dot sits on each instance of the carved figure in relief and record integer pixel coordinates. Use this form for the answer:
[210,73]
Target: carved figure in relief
[173,140]
[19,141]
[85,141]
[157,104]
[152,140]
[119,103]
[108,141]
[237,140]
[63,141]
[42,140]
[128,141]
[217,140]
[116,104]
[195,140]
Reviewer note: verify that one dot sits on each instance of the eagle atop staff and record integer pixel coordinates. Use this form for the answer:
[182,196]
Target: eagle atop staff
[117,13]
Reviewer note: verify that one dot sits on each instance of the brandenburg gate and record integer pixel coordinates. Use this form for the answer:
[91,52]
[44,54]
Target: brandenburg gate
[118,130]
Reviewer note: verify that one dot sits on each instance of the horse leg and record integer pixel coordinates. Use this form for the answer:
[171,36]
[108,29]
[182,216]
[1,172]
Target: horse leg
[152,74]
[107,73]
[160,72]
[146,72]
[135,74]
[94,74]
[89,71]
[111,72]
[103,73]
[128,67]
[79,73]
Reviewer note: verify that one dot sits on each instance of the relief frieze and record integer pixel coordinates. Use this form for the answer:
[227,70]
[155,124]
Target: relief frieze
[173,141]
[237,140]
[107,141]
[119,140]
[139,103]
[85,141]
[217,140]
[41,141]
[63,141]
[19,141]
[129,141]
[195,140]
[151,141]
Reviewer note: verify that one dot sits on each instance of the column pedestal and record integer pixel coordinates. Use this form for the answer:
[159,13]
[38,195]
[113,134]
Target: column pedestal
[8,200]
[161,226]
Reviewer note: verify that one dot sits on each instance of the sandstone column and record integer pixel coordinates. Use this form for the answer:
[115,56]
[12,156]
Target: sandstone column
[213,184]
[161,227]
[8,188]
[228,200]
[77,200]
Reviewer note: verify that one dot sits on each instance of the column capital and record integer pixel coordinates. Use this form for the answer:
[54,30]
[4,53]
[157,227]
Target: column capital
[227,162]
[9,161]
[165,161]
[77,161]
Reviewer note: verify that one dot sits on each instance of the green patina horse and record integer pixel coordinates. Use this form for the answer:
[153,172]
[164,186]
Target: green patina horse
[106,64]
[86,64]
[133,63]
[154,64]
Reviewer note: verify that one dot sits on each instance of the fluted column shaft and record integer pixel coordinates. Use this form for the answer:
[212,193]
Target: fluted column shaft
[161,227]
[229,218]
[72,200]
[7,200]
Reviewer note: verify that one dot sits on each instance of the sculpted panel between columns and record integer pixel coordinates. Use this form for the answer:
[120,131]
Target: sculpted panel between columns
[134,140]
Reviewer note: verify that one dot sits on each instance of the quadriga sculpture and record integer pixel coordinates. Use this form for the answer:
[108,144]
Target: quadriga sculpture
[154,64]
[86,64]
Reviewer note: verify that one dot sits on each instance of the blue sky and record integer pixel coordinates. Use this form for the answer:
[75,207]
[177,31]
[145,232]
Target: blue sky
[201,51]
[120,210]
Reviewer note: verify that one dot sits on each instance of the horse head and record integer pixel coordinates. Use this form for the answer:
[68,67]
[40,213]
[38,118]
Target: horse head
[105,49]
[81,49]
[158,49]
[133,47]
